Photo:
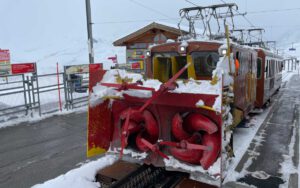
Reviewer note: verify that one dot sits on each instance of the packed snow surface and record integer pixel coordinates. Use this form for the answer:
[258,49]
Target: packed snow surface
[83,176]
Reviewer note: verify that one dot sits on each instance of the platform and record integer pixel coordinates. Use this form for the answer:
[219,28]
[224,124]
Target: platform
[272,158]
[32,153]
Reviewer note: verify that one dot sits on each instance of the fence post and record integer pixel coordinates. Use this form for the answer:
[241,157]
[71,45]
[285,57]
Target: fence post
[29,95]
[25,97]
[59,98]
[38,94]
[32,85]
[66,89]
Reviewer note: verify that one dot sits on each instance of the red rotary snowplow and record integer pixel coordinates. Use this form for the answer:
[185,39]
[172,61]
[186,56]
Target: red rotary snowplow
[165,124]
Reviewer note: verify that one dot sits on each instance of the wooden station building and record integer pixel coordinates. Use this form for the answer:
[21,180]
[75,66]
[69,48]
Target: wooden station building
[137,43]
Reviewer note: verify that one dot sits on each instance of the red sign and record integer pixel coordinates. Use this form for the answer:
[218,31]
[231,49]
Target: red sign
[114,59]
[4,55]
[136,65]
[96,67]
[23,68]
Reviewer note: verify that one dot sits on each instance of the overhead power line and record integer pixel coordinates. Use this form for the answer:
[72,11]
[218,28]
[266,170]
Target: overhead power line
[192,3]
[135,21]
[275,10]
[149,8]
[247,20]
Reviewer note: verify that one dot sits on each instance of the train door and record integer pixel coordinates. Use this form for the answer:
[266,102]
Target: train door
[253,79]
[259,82]
[267,80]
[249,79]
[272,76]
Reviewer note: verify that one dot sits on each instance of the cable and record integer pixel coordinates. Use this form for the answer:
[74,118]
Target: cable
[192,3]
[275,10]
[135,21]
[149,8]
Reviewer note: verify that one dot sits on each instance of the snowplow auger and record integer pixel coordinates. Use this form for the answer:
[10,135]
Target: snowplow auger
[165,124]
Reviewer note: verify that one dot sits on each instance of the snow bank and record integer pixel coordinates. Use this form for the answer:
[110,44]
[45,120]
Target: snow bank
[83,176]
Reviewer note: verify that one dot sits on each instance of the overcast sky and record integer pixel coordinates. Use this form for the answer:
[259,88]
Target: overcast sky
[27,25]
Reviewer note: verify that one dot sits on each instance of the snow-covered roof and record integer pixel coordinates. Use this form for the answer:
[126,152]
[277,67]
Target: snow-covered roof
[153,25]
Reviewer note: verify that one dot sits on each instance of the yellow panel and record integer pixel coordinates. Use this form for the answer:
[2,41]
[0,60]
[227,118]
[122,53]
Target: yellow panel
[155,68]
[142,64]
[237,117]
[174,65]
[163,72]
[95,151]
[160,70]
[191,68]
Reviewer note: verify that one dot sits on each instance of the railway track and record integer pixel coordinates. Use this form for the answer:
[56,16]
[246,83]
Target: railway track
[124,174]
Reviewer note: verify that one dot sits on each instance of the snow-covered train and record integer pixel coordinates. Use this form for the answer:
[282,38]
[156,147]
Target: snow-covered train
[180,114]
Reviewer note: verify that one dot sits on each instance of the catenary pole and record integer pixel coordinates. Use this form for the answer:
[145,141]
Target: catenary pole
[89,30]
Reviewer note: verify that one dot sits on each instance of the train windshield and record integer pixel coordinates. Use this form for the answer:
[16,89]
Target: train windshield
[205,63]
[166,65]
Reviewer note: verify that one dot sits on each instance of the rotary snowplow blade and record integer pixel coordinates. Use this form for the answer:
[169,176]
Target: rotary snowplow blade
[166,120]
[99,121]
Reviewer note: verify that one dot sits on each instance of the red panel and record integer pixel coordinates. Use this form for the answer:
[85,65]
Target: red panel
[96,67]
[23,68]
[136,65]
[99,119]
[4,55]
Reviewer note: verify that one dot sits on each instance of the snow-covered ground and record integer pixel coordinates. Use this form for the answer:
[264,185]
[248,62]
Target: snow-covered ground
[242,138]
[82,177]
[35,118]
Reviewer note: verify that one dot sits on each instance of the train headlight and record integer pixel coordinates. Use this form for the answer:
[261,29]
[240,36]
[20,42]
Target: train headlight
[148,53]
[182,49]
[223,52]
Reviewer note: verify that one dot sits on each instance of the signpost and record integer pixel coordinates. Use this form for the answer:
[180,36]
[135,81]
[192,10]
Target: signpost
[23,68]
[73,69]
[5,68]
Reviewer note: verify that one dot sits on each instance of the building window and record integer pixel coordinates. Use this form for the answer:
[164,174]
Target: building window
[160,38]
[138,46]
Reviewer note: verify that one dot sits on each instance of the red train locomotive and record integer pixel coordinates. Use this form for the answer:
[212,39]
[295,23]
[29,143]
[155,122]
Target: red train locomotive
[193,92]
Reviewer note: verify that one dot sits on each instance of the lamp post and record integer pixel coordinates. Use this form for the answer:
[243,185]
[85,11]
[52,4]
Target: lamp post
[89,30]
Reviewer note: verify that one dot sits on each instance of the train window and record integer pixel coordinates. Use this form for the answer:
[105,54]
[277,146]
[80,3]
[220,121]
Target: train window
[164,65]
[272,66]
[259,68]
[238,65]
[266,68]
[205,63]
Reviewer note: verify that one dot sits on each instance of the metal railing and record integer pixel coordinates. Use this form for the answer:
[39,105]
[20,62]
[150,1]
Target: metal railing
[76,94]
[22,95]
[14,99]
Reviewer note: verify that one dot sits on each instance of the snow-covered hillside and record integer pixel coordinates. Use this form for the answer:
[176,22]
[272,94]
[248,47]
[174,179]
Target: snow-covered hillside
[51,31]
